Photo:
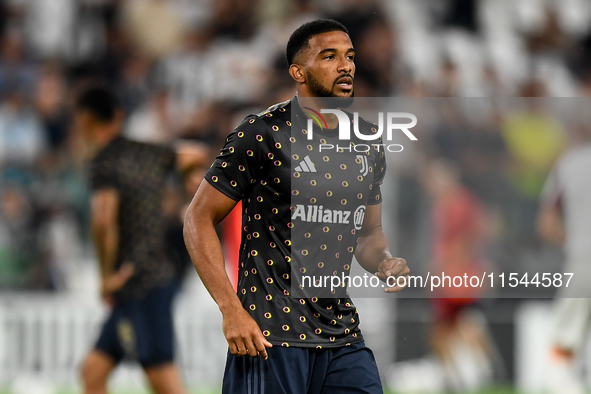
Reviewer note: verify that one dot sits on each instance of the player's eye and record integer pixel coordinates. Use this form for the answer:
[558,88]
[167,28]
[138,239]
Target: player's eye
[329,57]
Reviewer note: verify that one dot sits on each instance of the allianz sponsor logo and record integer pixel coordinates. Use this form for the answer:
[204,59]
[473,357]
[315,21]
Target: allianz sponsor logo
[319,214]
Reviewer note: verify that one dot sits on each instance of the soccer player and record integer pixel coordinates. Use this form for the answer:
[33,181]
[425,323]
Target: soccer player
[565,220]
[294,345]
[458,335]
[137,276]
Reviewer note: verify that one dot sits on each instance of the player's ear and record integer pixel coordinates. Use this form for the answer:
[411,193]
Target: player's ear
[297,73]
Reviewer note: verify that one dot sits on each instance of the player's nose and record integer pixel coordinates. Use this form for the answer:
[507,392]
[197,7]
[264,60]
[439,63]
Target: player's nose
[344,67]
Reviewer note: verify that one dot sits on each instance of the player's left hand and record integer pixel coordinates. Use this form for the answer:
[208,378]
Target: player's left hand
[115,282]
[393,267]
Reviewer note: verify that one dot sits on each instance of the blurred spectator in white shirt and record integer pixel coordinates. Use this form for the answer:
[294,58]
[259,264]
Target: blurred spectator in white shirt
[22,139]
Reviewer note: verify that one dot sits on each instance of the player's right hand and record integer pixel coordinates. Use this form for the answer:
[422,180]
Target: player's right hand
[244,335]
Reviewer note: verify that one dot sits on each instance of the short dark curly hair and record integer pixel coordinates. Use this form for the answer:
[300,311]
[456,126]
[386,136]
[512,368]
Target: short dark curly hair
[100,100]
[300,38]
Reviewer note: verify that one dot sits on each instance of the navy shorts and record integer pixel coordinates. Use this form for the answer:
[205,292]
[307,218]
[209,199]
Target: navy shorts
[290,370]
[141,330]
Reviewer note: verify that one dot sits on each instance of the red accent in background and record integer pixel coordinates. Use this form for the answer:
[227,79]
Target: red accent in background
[232,232]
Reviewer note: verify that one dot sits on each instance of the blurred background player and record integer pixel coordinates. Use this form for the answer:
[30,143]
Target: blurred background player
[565,219]
[138,278]
[458,336]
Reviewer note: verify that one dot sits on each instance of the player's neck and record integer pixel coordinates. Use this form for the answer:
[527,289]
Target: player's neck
[106,134]
[316,103]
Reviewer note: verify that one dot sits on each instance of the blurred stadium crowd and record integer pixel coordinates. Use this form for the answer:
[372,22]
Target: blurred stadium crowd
[192,69]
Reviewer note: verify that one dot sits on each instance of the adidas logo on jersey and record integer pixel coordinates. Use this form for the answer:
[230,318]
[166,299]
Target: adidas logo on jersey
[306,165]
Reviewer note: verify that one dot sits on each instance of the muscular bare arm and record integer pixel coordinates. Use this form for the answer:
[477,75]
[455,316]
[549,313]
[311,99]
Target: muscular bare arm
[208,208]
[373,250]
[105,233]
[105,229]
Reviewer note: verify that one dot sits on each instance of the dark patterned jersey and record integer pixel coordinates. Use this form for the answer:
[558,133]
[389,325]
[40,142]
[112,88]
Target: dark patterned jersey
[138,172]
[283,181]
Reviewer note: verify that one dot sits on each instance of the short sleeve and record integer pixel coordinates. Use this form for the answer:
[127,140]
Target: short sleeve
[241,160]
[379,172]
[103,175]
